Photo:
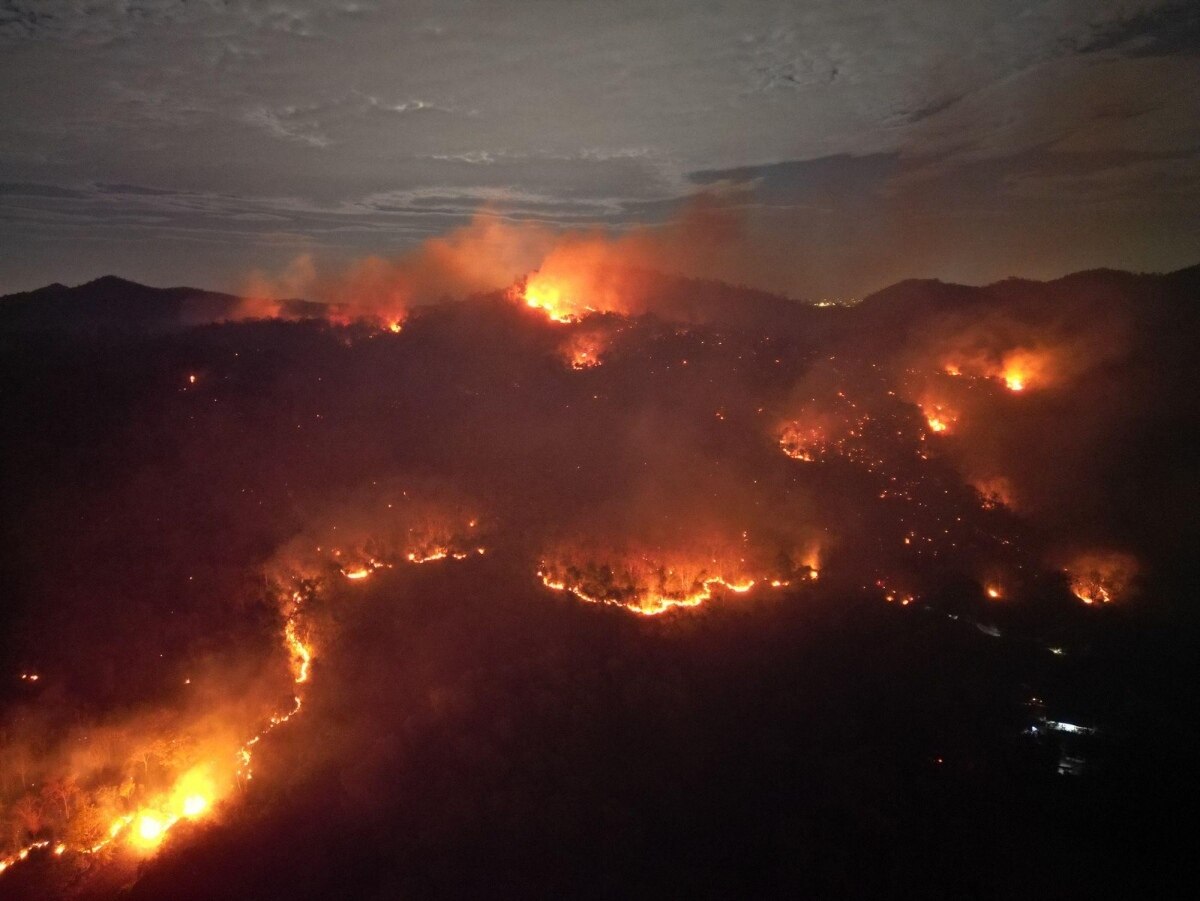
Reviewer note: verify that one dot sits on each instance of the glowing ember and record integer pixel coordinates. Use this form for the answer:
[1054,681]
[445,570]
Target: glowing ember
[892,596]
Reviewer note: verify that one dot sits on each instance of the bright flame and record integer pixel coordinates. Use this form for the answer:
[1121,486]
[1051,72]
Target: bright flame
[301,653]
[430,556]
[149,829]
[938,416]
[544,294]
[1018,370]
[1023,368]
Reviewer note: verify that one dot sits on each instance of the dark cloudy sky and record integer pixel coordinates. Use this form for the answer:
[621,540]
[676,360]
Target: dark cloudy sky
[189,142]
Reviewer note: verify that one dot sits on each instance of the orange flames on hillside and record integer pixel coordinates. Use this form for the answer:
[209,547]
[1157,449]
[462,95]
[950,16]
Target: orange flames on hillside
[938,416]
[187,782]
[551,297]
[143,828]
[654,585]
[1018,369]
[573,279]
[802,441]
[584,350]
[1102,577]
[565,275]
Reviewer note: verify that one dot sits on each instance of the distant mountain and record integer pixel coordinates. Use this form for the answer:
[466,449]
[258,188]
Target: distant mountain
[1157,299]
[110,305]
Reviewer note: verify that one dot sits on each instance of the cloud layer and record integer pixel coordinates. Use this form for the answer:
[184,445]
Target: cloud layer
[183,142]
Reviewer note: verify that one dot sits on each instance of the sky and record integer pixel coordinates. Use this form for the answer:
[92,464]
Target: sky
[857,142]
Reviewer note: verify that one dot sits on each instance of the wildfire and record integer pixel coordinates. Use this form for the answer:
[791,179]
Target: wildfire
[651,588]
[938,417]
[994,492]
[551,297]
[1017,370]
[149,828]
[358,573]
[802,442]
[646,585]
[145,829]
[653,603]
[20,855]
[191,798]
[440,553]
[1023,368]
[584,350]
[301,653]
[1102,577]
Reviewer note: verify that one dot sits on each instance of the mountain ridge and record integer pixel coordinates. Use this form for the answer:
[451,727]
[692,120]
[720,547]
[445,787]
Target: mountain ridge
[111,304]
